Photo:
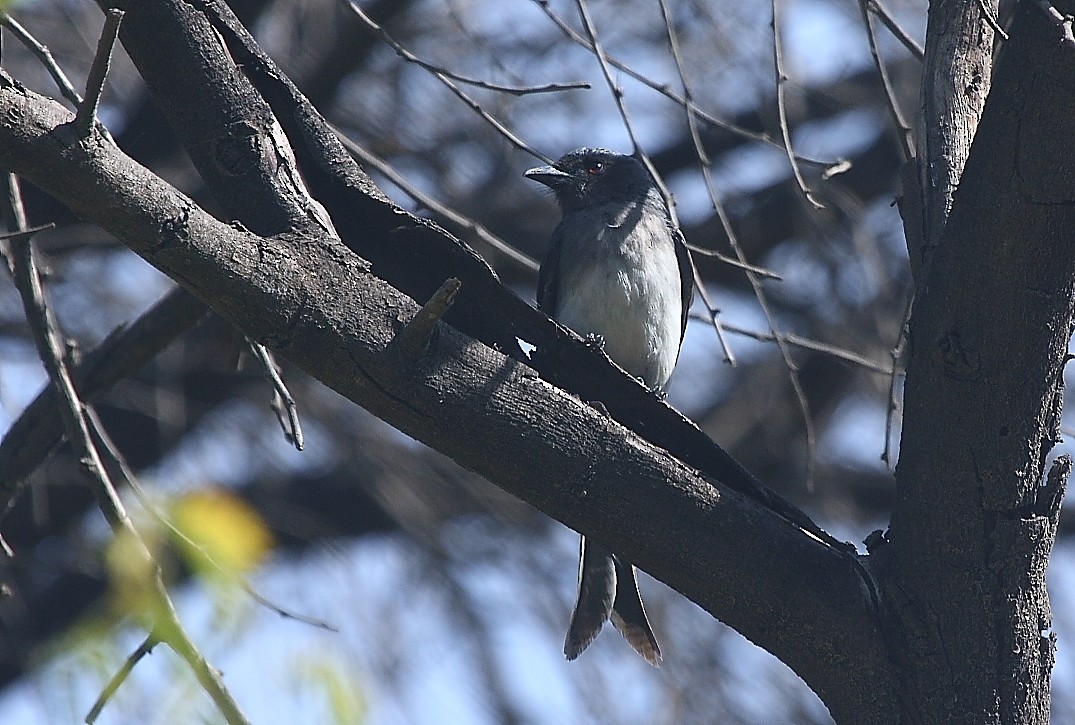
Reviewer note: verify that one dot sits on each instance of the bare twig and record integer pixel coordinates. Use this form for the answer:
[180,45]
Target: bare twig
[903,130]
[449,83]
[713,318]
[782,111]
[121,676]
[282,397]
[95,82]
[896,29]
[367,157]
[515,90]
[50,348]
[893,393]
[621,105]
[733,262]
[992,21]
[759,136]
[781,341]
[807,343]
[703,158]
[8,238]
[688,106]
[45,56]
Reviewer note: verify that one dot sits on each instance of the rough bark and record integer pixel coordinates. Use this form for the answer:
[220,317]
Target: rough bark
[956,76]
[975,516]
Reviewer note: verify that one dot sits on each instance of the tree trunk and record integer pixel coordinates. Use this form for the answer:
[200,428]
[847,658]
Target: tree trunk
[964,567]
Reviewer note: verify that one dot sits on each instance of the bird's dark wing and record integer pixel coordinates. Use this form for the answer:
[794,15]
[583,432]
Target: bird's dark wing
[548,288]
[686,277]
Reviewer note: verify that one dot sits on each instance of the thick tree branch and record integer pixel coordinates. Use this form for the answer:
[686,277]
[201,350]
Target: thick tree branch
[316,303]
[416,257]
[955,82]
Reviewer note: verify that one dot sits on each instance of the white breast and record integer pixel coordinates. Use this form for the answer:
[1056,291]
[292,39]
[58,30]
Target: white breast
[629,293]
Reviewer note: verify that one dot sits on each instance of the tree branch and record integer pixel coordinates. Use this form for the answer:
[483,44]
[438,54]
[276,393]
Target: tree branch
[989,336]
[319,305]
[956,72]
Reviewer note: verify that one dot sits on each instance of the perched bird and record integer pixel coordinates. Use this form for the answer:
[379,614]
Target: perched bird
[618,272]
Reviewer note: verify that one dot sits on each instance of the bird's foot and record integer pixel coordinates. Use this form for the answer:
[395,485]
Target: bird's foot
[592,339]
[659,393]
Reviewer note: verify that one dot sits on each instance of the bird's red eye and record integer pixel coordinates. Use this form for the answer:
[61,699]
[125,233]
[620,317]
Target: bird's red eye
[595,168]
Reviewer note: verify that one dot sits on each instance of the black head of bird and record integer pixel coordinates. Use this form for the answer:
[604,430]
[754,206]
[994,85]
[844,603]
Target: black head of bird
[590,177]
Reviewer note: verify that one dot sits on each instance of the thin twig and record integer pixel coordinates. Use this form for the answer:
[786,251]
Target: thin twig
[282,398]
[45,56]
[782,110]
[692,118]
[621,106]
[759,136]
[95,82]
[903,130]
[8,237]
[896,29]
[703,158]
[516,90]
[807,343]
[713,318]
[770,319]
[443,78]
[893,398]
[367,157]
[50,348]
[121,676]
[733,262]
[993,23]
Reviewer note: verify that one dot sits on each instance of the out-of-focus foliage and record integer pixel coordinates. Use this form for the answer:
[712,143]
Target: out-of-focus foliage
[218,533]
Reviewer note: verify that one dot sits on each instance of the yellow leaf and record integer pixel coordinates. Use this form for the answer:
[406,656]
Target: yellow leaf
[222,527]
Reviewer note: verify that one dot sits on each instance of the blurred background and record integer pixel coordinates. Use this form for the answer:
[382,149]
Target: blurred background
[449,598]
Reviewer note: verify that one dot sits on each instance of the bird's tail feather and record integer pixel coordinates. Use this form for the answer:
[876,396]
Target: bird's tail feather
[597,592]
[629,616]
[608,589]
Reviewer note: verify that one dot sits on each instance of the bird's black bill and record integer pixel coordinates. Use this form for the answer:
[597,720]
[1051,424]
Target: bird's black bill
[547,175]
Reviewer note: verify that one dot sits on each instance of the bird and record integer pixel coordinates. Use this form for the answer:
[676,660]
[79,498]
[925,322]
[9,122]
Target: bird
[618,273]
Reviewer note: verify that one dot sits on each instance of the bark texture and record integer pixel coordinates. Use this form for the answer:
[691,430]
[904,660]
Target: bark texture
[976,515]
[956,76]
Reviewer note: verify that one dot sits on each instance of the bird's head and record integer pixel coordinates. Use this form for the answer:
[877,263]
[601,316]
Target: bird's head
[588,177]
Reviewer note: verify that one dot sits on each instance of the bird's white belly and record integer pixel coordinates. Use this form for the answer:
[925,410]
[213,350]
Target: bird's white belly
[638,314]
